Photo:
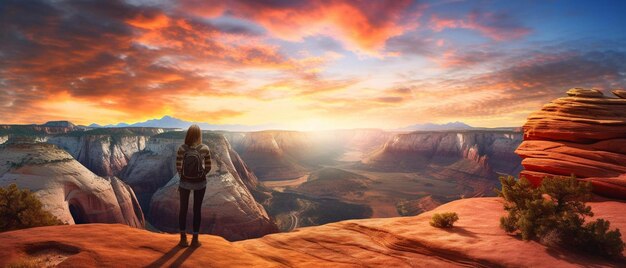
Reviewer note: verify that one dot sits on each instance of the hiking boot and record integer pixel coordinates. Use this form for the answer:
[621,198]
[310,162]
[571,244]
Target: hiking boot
[195,242]
[183,240]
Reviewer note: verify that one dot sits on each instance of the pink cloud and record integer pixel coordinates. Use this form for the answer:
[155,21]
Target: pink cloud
[497,26]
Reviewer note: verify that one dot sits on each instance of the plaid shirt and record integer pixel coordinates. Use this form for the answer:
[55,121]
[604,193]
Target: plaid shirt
[204,151]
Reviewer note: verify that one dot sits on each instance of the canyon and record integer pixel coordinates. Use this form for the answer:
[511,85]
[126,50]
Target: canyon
[335,195]
[143,158]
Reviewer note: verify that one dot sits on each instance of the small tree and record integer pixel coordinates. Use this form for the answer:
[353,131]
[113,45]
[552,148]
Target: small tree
[556,212]
[444,220]
[20,209]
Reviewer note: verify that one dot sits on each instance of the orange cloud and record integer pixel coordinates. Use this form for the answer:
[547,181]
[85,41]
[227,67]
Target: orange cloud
[154,22]
[120,58]
[363,27]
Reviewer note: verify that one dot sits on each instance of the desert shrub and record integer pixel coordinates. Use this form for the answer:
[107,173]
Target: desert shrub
[444,220]
[20,209]
[554,214]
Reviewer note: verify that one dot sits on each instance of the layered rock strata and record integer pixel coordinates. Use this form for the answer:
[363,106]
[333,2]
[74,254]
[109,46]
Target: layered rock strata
[480,153]
[66,188]
[583,135]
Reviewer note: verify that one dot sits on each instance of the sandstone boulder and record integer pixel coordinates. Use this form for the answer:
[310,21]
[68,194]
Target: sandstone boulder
[582,136]
[66,188]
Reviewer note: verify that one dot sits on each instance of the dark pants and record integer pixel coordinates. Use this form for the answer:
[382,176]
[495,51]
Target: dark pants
[198,195]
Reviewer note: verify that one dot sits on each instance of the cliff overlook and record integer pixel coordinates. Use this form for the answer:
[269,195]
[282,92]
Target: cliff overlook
[475,241]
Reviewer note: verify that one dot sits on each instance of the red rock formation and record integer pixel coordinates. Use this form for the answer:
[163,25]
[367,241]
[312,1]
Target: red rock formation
[66,188]
[583,134]
[475,241]
[620,93]
[609,187]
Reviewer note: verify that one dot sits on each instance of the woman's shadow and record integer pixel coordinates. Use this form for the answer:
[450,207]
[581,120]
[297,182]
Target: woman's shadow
[160,262]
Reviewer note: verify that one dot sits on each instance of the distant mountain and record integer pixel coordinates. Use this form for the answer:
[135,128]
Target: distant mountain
[438,127]
[172,122]
[62,123]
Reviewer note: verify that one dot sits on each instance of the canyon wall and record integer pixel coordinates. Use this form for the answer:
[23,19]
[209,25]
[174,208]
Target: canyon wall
[105,155]
[274,155]
[583,135]
[66,188]
[49,128]
[150,169]
[478,152]
[282,155]
[104,151]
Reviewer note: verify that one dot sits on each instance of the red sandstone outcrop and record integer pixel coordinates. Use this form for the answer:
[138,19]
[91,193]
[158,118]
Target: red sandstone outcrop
[66,188]
[619,93]
[583,134]
[609,187]
[475,241]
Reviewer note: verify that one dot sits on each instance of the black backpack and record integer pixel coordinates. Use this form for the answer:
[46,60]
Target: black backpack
[193,169]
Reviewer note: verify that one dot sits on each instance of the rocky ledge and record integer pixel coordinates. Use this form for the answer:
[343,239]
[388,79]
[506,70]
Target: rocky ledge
[475,241]
[584,135]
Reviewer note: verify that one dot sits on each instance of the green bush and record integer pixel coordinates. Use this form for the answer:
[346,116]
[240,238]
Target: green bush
[555,214]
[20,209]
[444,220]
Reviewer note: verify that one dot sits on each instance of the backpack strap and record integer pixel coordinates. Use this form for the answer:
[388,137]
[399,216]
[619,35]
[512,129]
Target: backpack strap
[187,147]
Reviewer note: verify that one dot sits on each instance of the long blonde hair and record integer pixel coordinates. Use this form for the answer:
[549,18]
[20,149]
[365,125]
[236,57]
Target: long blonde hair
[194,135]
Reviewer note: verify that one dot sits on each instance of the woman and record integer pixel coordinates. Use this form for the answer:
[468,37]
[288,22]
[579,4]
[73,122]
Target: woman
[193,163]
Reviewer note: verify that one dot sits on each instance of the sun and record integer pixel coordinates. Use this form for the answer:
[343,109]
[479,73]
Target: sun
[313,124]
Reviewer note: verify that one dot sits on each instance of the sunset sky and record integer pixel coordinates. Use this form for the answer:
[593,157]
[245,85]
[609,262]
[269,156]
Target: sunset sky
[303,64]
